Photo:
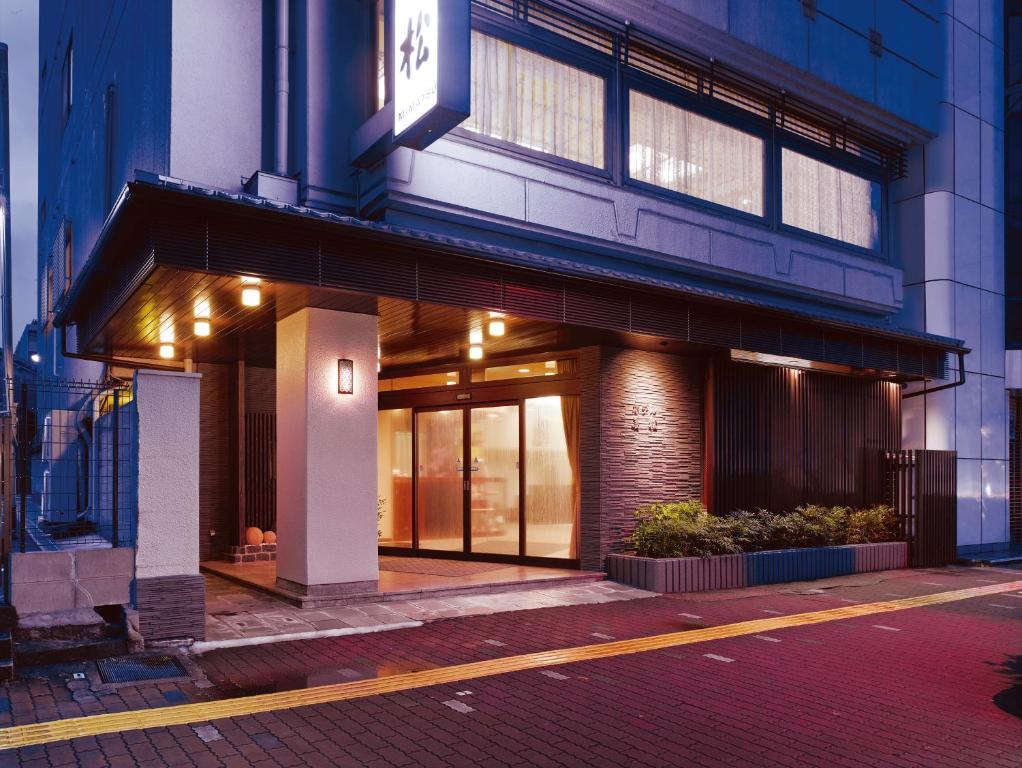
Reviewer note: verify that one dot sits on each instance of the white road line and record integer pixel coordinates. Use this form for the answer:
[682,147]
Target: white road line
[553,675]
[715,657]
[458,706]
[887,629]
[767,638]
[690,615]
[602,636]
[932,583]
[1001,605]
[768,610]
[495,642]
[848,600]
[988,581]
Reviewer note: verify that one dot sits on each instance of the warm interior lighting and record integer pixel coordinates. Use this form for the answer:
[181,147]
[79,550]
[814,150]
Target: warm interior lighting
[763,358]
[475,352]
[345,376]
[167,333]
[167,351]
[523,370]
[202,328]
[202,309]
[475,336]
[497,326]
[550,363]
[251,297]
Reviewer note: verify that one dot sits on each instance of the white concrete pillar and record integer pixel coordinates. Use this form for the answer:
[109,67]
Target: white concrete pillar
[169,590]
[326,454]
[168,474]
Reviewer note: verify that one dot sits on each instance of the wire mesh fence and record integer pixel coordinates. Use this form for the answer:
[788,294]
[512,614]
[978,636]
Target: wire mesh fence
[72,449]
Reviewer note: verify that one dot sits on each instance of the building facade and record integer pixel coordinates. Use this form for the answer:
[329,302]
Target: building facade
[729,250]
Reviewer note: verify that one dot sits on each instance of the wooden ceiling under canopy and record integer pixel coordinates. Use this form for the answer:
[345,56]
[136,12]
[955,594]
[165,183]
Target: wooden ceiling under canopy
[411,333]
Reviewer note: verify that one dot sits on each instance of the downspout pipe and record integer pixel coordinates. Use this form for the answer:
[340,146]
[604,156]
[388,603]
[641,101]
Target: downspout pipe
[281,88]
[950,385]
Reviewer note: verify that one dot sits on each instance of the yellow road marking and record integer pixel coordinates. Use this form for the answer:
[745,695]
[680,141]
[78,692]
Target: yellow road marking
[185,714]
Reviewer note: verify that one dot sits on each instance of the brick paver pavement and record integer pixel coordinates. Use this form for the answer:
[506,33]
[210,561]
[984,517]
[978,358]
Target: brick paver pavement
[927,686]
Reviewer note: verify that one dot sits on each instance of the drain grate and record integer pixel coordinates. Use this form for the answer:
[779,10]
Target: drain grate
[130,670]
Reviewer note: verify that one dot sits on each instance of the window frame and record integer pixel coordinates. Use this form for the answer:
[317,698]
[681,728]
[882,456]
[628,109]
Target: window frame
[545,43]
[67,81]
[711,109]
[787,140]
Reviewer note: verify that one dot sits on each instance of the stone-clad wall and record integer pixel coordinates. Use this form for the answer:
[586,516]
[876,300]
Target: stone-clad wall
[642,440]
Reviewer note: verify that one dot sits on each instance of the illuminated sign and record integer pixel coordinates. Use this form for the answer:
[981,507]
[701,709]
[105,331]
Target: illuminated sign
[431,67]
[429,51]
[416,50]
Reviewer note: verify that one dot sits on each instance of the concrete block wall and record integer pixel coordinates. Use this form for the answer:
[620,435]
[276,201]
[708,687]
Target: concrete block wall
[642,440]
[949,219]
[47,582]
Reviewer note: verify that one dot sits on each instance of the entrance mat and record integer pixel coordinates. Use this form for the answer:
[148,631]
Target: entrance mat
[137,668]
[436,567]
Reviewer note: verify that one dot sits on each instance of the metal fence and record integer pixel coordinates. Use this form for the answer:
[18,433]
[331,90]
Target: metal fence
[72,450]
[923,489]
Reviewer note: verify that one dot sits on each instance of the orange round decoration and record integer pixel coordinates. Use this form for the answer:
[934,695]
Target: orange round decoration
[253,535]
[269,537]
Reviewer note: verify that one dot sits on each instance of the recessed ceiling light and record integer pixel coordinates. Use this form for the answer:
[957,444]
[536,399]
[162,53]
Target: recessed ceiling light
[475,336]
[202,328]
[475,352]
[523,370]
[497,328]
[167,351]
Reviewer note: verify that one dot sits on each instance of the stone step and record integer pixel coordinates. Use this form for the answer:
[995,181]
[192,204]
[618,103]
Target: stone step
[43,652]
[79,624]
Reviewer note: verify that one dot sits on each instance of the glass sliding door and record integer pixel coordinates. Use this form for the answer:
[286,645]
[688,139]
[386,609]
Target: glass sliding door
[440,497]
[551,476]
[394,476]
[497,478]
[493,476]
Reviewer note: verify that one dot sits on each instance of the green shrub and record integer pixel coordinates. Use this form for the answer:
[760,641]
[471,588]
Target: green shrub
[680,529]
[876,523]
[686,529]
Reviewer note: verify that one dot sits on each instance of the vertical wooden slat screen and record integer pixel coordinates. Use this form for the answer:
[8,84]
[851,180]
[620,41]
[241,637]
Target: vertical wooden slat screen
[784,437]
[923,487]
[218,508]
[260,470]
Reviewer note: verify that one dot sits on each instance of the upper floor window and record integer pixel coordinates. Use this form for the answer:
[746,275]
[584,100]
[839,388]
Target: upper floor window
[67,79]
[685,152]
[536,102]
[831,202]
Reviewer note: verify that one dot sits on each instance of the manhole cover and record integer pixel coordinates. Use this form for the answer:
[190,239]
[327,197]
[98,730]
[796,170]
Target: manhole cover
[131,670]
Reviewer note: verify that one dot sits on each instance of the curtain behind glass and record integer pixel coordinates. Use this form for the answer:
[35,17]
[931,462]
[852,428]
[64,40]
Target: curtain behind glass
[821,198]
[688,153]
[536,102]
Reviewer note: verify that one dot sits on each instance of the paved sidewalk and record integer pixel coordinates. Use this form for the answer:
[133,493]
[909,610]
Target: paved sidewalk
[237,615]
[931,686]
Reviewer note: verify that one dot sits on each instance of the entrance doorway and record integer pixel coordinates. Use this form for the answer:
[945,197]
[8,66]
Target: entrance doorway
[493,480]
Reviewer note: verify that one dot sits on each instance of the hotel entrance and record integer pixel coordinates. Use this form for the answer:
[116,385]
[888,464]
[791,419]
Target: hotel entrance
[481,463]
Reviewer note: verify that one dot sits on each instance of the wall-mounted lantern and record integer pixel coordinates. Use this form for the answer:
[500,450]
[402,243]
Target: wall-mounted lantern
[345,377]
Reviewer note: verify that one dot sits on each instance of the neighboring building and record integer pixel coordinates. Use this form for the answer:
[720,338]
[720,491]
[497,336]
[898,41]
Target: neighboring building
[27,356]
[1013,251]
[679,249]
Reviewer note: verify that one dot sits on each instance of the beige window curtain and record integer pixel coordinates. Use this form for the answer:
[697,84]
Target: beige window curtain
[685,152]
[536,102]
[821,198]
[571,418]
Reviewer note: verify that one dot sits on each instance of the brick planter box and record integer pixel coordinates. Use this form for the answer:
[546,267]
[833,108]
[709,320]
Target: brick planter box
[251,553]
[700,574]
